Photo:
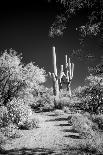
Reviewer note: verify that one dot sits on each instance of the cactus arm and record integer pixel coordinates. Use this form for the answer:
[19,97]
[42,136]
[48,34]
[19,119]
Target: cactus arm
[54,62]
[66,64]
[69,69]
[50,74]
[72,70]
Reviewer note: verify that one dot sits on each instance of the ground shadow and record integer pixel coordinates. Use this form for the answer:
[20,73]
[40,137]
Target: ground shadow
[27,151]
[73,136]
[43,151]
[70,130]
[80,151]
[69,117]
[57,119]
[68,124]
[89,151]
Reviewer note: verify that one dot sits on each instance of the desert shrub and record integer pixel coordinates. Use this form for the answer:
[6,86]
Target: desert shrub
[64,93]
[64,101]
[17,78]
[91,98]
[3,139]
[29,124]
[89,128]
[73,104]
[67,110]
[44,101]
[10,131]
[10,75]
[27,96]
[98,119]
[84,125]
[20,113]
[93,145]
[4,117]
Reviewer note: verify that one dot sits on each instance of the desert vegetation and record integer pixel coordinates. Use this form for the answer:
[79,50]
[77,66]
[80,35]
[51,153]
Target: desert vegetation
[22,94]
[19,85]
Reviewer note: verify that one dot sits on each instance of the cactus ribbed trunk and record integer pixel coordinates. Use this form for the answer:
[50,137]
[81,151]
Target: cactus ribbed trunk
[55,79]
[56,88]
[69,89]
[69,69]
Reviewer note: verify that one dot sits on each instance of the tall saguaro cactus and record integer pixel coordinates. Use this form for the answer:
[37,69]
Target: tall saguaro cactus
[69,69]
[57,77]
[54,75]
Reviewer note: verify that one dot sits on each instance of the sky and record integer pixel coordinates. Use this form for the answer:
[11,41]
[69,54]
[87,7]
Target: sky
[24,27]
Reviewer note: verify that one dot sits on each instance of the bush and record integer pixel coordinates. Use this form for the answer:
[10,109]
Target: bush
[64,101]
[20,113]
[4,117]
[98,119]
[91,99]
[83,125]
[93,145]
[43,102]
[67,110]
[87,127]
[10,131]
[3,139]
[28,124]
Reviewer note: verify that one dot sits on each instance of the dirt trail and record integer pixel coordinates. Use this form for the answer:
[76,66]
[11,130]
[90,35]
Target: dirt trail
[54,133]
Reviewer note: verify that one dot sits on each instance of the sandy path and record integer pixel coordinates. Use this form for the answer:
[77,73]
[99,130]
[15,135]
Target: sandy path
[54,133]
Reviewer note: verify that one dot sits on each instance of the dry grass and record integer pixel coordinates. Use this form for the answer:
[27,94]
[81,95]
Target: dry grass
[89,131]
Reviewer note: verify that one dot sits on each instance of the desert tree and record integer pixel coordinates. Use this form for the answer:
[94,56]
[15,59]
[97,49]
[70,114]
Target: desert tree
[91,95]
[16,77]
[10,75]
[94,15]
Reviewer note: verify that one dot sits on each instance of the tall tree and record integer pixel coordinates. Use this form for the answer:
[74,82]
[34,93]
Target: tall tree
[15,77]
[94,12]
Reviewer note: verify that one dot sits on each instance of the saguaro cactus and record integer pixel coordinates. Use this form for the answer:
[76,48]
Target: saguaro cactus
[69,69]
[57,77]
[54,75]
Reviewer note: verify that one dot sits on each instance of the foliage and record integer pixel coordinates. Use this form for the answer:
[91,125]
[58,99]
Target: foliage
[10,76]
[4,117]
[44,101]
[17,84]
[92,100]
[96,70]
[64,93]
[94,10]
[15,77]
[20,113]
[10,131]
[98,119]
[83,125]
[89,127]
[91,95]
[33,75]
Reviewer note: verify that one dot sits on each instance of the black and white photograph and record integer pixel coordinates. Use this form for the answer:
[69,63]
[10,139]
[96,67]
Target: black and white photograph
[51,77]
